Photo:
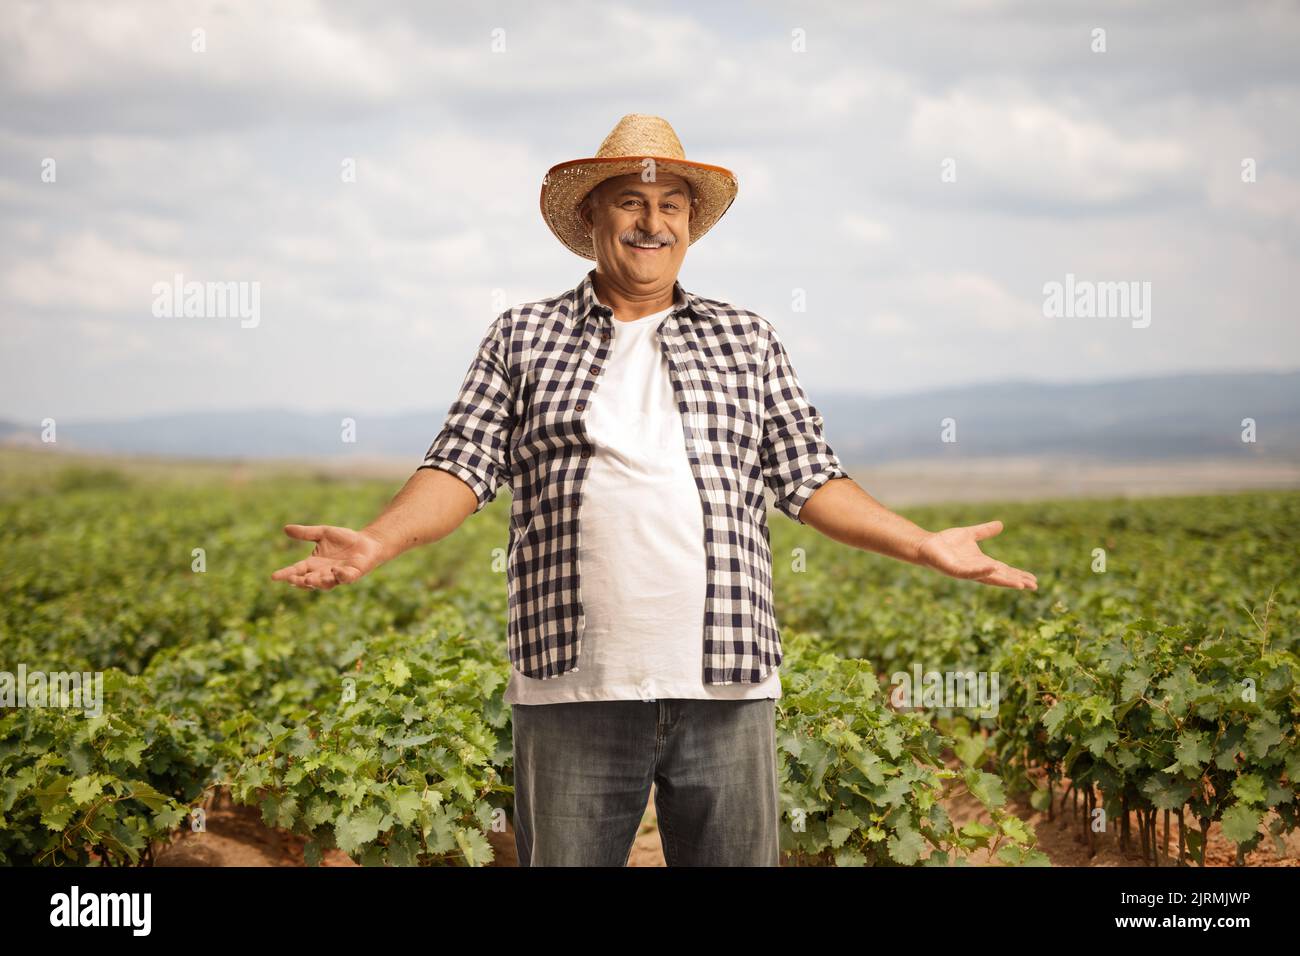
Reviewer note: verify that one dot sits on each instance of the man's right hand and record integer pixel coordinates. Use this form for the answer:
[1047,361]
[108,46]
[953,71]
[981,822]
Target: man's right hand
[341,556]
[430,506]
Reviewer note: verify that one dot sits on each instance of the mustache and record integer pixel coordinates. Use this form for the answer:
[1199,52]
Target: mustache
[638,235]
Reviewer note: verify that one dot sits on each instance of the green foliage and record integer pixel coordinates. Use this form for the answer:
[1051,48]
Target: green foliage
[96,790]
[1130,681]
[861,784]
[1139,689]
[400,768]
[1159,717]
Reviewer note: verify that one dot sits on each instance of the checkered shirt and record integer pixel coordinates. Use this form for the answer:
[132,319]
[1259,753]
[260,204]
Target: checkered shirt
[518,420]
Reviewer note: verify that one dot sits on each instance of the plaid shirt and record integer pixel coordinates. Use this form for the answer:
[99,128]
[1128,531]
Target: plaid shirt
[747,422]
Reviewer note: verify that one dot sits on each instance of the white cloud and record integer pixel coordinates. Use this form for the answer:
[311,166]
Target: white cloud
[66,48]
[85,272]
[1021,146]
[865,230]
[225,165]
[967,303]
[887,323]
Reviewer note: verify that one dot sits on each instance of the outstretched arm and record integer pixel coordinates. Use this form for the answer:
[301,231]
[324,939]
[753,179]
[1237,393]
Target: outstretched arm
[844,512]
[459,476]
[431,505]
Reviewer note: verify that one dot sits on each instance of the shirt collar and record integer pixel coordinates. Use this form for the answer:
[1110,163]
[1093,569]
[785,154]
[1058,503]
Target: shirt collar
[585,301]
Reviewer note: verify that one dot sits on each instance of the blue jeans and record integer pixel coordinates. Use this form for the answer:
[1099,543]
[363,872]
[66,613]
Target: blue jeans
[583,772]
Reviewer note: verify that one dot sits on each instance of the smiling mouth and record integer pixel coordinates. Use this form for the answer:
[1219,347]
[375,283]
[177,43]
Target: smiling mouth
[649,247]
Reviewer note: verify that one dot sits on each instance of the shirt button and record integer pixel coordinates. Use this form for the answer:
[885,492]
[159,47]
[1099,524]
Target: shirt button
[604,335]
[586,453]
[574,501]
[579,406]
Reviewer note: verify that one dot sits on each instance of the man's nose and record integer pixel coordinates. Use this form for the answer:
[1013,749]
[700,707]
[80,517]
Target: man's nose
[650,221]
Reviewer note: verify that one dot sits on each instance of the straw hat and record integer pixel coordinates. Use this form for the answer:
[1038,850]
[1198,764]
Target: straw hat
[635,138]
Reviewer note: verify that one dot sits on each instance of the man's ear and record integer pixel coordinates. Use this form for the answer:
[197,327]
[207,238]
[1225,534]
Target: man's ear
[585,212]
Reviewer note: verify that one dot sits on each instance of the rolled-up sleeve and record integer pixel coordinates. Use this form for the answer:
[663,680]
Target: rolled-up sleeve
[474,441]
[796,458]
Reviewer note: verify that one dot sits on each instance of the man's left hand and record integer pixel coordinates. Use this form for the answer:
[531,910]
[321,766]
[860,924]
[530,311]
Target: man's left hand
[956,553]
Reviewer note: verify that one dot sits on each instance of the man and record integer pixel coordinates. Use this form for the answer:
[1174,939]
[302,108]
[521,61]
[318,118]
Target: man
[638,427]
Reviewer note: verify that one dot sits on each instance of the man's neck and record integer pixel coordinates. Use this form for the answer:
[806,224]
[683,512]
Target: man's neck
[628,305]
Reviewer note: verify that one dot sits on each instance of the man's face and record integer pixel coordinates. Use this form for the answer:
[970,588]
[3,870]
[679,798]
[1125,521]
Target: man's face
[640,230]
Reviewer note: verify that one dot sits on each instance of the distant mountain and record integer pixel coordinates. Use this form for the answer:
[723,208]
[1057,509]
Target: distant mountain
[1196,415]
[258,433]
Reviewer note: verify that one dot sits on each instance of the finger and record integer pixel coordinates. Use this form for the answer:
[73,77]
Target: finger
[305,566]
[299,580]
[1030,580]
[291,571]
[1001,576]
[976,571]
[322,579]
[346,574]
[331,576]
[986,530]
[309,564]
[305,532]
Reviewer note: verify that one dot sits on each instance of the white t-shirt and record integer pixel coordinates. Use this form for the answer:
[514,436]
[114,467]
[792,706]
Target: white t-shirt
[641,544]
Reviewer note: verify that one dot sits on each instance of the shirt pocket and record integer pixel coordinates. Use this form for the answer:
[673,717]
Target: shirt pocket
[734,392]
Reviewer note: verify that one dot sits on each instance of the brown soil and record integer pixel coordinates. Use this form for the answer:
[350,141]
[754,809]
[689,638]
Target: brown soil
[1063,841]
[236,836]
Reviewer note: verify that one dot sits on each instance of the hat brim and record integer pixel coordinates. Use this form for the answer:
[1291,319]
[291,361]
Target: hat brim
[567,184]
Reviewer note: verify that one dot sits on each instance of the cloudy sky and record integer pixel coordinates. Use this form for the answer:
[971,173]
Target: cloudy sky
[225,164]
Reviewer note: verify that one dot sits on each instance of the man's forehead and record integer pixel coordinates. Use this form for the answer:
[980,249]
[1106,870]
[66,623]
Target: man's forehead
[664,182]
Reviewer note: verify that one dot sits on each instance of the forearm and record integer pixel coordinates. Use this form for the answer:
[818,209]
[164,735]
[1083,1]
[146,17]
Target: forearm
[431,505]
[844,512]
